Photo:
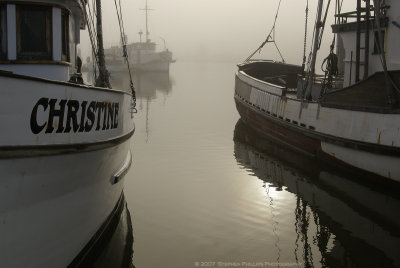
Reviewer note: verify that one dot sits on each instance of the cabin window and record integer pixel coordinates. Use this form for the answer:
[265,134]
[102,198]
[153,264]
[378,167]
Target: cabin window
[34,33]
[3,32]
[65,35]
[376,38]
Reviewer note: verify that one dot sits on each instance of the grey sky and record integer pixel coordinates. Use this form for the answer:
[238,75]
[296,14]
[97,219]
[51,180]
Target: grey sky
[221,30]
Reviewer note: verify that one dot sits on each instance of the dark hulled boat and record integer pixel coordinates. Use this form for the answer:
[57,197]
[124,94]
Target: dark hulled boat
[349,116]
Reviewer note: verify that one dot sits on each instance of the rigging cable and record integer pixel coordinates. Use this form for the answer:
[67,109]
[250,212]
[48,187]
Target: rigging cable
[94,43]
[329,65]
[316,44]
[268,37]
[125,53]
[378,41]
[92,33]
[308,66]
[323,25]
[305,39]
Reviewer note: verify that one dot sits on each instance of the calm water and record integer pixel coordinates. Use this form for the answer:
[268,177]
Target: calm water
[204,191]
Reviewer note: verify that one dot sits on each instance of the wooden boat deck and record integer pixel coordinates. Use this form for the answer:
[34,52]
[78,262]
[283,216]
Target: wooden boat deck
[368,95]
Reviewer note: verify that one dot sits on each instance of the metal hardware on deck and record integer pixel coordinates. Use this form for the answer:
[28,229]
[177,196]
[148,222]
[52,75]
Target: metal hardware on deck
[121,172]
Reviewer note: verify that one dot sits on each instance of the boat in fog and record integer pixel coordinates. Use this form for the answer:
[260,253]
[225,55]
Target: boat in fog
[65,144]
[348,116]
[143,55]
[336,215]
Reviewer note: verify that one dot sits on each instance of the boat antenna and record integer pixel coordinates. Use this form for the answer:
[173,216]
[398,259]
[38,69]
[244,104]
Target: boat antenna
[147,28]
[165,46]
[271,36]
[103,79]
[125,53]
[140,36]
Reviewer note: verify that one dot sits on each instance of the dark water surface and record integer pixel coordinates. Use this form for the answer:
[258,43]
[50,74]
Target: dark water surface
[205,191]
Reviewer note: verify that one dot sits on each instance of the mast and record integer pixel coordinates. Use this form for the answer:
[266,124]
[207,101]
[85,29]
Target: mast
[388,85]
[102,80]
[358,37]
[318,26]
[366,50]
[146,9]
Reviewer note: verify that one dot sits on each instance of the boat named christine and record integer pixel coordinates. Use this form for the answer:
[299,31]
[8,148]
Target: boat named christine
[64,145]
[350,115]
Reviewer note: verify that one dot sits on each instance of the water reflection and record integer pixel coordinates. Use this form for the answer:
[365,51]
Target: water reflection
[114,248]
[147,85]
[338,221]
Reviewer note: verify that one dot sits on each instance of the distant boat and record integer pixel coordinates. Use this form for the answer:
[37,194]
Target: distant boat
[64,144]
[349,116]
[143,55]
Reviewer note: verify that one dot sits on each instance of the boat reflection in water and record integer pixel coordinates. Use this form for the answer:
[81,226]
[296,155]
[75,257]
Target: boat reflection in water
[115,246]
[338,221]
[146,84]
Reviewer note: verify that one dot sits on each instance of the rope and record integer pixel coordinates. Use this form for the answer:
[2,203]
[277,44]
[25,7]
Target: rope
[323,25]
[305,38]
[268,37]
[92,33]
[125,53]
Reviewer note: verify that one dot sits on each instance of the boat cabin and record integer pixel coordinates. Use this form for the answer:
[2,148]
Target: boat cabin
[142,46]
[357,46]
[40,39]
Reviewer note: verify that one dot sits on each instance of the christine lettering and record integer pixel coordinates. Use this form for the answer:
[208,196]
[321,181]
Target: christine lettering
[64,116]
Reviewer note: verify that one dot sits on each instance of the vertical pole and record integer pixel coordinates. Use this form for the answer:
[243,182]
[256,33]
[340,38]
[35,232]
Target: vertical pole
[314,55]
[388,85]
[102,80]
[358,40]
[351,67]
[366,51]
[147,30]
[11,32]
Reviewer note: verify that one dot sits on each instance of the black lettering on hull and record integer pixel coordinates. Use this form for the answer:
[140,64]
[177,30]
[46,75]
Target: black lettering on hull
[78,115]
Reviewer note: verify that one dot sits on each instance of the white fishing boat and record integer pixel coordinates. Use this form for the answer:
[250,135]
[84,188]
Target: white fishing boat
[350,115]
[143,54]
[146,58]
[64,145]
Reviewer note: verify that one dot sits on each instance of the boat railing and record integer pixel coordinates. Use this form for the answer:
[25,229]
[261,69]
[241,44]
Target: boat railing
[321,85]
[349,17]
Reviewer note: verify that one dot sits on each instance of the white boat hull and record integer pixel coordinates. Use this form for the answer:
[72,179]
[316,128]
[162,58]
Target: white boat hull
[61,164]
[51,206]
[367,141]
